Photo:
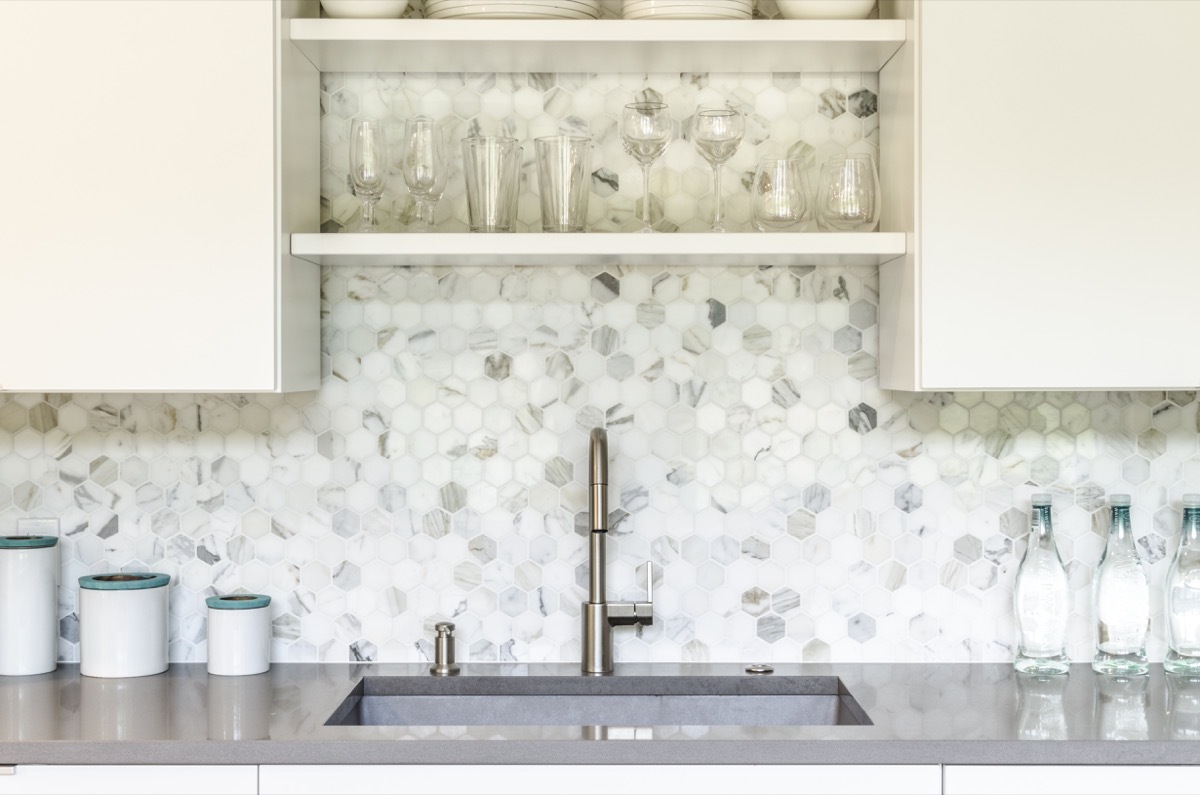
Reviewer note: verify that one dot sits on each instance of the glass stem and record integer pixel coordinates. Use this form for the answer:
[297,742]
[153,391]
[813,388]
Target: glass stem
[646,195]
[368,213]
[425,212]
[717,198]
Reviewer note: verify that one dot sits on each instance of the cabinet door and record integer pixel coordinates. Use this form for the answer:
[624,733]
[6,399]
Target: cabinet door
[1055,219]
[130,780]
[139,236]
[1067,779]
[599,779]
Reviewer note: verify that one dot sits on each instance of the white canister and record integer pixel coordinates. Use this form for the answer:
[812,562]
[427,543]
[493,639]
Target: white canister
[123,624]
[239,634]
[28,604]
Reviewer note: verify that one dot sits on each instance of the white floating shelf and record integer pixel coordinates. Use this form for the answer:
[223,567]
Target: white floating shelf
[603,45]
[464,249]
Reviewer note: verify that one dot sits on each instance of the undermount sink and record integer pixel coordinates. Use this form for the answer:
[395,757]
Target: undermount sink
[589,701]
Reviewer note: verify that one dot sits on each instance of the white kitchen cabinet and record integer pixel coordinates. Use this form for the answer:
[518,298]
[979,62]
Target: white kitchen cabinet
[1068,779]
[130,780]
[1033,152]
[599,779]
[148,201]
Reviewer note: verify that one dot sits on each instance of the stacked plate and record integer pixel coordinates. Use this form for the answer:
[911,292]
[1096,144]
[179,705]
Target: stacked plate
[512,9]
[687,9]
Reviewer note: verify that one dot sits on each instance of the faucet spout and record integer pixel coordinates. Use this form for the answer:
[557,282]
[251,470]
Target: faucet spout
[599,615]
[598,512]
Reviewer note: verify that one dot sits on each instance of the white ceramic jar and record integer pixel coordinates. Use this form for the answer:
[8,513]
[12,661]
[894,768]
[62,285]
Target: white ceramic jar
[28,604]
[123,623]
[239,634]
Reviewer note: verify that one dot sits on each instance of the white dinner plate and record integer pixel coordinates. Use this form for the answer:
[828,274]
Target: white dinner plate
[716,5]
[449,9]
[584,6]
[510,11]
[685,12]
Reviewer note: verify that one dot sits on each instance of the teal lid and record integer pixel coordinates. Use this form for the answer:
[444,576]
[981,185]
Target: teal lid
[124,581]
[238,601]
[27,542]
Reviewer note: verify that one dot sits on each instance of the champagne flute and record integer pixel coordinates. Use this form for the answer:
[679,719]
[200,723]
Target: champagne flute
[717,133]
[368,167]
[645,133]
[424,167]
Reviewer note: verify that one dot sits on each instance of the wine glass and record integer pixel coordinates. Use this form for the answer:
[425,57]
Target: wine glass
[424,166]
[848,194]
[368,167]
[717,133]
[645,133]
[777,200]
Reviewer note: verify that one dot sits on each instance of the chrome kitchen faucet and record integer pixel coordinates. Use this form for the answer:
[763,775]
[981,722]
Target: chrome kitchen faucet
[599,614]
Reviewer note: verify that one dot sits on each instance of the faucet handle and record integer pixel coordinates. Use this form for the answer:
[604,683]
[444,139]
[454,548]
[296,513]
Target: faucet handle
[624,613]
[644,611]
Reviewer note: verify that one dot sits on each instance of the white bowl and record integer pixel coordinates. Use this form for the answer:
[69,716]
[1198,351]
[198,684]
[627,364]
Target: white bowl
[825,9]
[364,9]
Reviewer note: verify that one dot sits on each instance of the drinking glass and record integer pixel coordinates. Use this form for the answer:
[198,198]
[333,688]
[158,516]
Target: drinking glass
[368,167]
[645,133]
[717,133]
[492,171]
[564,166]
[777,200]
[424,164]
[848,194]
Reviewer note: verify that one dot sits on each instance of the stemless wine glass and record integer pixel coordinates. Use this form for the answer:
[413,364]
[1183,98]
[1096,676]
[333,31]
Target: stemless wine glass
[368,167]
[848,194]
[777,200]
[424,164]
[717,133]
[645,133]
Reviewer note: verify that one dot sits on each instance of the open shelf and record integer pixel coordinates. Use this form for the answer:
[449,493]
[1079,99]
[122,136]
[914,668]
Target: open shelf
[604,45]
[734,248]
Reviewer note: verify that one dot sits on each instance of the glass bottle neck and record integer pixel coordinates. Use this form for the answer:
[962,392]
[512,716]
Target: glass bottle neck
[1040,528]
[1120,531]
[1190,534]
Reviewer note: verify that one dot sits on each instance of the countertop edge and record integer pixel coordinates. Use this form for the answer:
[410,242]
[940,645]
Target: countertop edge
[607,752]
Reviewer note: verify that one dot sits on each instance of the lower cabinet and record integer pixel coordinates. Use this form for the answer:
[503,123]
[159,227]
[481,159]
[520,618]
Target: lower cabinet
[130,780]
[600,779]
[1068,779]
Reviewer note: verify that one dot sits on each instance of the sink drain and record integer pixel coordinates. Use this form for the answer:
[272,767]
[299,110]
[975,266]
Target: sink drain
[760,668]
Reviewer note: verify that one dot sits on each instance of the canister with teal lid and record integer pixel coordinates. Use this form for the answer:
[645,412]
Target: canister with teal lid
[239,634]
[123,624]
[29,598]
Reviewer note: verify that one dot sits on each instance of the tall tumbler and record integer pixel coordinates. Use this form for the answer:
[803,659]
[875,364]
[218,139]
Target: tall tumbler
[564,165]
[492,170]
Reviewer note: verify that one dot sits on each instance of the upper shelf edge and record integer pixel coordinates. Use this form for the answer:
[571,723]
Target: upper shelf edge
[608,45]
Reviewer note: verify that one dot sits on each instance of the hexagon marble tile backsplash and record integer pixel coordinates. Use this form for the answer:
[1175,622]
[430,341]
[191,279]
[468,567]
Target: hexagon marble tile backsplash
[797,511]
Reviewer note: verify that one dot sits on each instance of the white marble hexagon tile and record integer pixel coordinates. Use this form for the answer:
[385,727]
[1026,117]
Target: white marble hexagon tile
[797,511]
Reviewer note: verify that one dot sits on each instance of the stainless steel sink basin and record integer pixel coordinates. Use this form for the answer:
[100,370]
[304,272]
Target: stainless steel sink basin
[589,701]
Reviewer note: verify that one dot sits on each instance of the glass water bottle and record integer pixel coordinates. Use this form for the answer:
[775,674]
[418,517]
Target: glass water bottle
[1183,595]
[1121,600]
[1041,598]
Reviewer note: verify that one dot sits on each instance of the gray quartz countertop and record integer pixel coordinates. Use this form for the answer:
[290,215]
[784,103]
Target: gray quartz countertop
[920,713]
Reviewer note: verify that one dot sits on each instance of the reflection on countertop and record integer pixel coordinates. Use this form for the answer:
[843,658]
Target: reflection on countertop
[965,713]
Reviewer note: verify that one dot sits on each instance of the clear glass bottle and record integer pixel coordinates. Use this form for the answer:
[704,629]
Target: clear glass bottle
[1041,598]
[1183,595]
[1121,600]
